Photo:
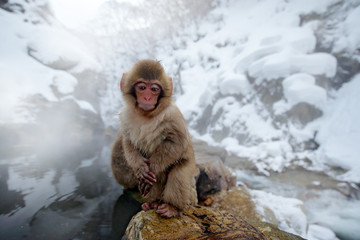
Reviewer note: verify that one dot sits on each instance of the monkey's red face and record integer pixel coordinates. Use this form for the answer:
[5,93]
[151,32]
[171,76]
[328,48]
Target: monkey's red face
[147,94]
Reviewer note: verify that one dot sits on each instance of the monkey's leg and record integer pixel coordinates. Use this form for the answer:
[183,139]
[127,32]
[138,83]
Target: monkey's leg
[164,209]
[149,205]
[179,191]
[123,174]
[167,210]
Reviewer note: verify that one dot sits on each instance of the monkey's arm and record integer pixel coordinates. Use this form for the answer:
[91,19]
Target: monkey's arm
[138,163]
[172,149]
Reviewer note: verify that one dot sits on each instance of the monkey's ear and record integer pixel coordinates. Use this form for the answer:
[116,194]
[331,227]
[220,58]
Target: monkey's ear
[122,81]
[171,84]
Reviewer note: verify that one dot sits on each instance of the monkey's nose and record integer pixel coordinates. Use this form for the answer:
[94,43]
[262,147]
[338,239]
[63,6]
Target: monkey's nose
[147,98]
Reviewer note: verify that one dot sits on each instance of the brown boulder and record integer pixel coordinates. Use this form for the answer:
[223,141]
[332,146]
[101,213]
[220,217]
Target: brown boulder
[231,215]
[195,223]
[238,202]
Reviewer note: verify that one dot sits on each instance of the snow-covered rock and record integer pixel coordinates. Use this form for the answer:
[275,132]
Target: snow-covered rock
[339,133]
[34,52]
[59,49]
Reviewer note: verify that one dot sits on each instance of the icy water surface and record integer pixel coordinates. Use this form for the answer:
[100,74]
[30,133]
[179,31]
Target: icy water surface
[327,202]
[68,194]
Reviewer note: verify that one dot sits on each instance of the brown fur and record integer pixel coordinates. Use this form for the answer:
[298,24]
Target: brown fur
[161,136]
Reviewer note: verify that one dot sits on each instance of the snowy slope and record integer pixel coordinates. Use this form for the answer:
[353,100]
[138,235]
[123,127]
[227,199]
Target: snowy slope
[37,55]
[339,133]
[262,82]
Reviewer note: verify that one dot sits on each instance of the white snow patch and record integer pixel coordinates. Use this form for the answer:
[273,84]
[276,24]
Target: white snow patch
[339,134]
[23,75]
[64,82]
[82,104]
[234,85]
[285,63]
[350,39]
[317,232]
[334,210]
[298,88]
[50,46]
[289,212]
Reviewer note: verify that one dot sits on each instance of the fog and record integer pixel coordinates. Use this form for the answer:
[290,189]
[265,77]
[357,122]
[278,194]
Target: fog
[274,83]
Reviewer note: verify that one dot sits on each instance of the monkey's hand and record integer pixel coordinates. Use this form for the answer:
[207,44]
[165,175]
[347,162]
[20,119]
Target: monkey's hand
[144,188]
[144,175]
[146,179]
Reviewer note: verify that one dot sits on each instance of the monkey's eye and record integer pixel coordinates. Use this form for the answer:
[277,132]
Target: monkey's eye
[155,88]
[140,86]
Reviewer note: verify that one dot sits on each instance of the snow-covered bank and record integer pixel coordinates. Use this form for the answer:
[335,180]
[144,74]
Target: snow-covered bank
[262,83]
[275,82]
[339,134]
[37,56]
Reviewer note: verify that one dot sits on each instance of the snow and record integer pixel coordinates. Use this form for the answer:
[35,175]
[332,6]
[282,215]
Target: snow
[285,63]
[299,88]
[58,48]
[81,103]
[287,213]
[306,6]
[339,135]
[280,42]
[320,233]
[253,46]
[351,33]
[334,211]
[267,156]
[264,46]
[64,82]
[237,84]
[26,50]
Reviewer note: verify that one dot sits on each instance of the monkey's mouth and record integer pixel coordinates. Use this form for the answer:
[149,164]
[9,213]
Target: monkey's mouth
[146,107]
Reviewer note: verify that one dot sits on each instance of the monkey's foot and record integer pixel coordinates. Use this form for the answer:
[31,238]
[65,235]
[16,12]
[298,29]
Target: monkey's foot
[149,205]
[167,211]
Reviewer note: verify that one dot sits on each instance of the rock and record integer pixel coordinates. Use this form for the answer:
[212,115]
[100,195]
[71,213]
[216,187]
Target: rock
[270,91]
[234,161]
[203,150]
[231,215]
[195,223]
[237,202]
[89,92]
[303,113]
[226,211]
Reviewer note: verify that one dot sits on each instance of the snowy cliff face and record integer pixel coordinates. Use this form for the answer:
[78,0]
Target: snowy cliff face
[262,81]
[271,81]
[44,69]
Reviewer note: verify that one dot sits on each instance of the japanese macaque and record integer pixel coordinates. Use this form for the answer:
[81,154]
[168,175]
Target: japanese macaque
[153,151]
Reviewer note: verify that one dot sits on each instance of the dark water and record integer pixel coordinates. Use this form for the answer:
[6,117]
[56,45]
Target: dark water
[64,193]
